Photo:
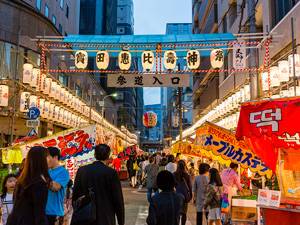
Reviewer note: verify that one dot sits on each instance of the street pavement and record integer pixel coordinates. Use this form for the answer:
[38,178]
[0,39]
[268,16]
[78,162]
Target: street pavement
[136,207]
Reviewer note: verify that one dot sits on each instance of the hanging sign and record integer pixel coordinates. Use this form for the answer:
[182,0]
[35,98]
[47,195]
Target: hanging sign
[147,60]
[193,59]
[239,56]
[27,73]
[153,80]
[170,60]
[4,91]
[81,59]
[270,125]
[124,60]
[217,58]
[33,113]
[223,143]
[102,60]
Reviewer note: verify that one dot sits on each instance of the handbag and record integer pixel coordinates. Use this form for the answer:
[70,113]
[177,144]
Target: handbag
[84,209]
[188,196]
[135,166]
[225,204]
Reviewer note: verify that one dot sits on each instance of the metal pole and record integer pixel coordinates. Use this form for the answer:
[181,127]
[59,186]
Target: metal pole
[180,113]
[294,51]
[252,52]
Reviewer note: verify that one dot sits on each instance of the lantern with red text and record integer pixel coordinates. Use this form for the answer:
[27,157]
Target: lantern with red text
[150,119]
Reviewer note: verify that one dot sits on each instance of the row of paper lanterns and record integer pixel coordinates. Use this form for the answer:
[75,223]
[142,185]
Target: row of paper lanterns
[230,122]
[50,110]
[281,73]
[148,59]
[53,89]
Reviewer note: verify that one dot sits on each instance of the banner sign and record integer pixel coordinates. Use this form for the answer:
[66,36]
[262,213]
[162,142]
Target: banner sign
[239,56]
[72,142]
[148,80]
[270,125]
[222,142]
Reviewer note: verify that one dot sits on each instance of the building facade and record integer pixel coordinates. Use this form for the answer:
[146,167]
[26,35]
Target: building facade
[216,91]
[170,97]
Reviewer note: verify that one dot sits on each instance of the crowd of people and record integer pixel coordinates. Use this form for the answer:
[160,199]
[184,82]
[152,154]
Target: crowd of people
[43,194]
[173,183]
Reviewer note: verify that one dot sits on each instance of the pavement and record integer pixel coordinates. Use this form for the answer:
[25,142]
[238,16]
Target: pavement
[136,207]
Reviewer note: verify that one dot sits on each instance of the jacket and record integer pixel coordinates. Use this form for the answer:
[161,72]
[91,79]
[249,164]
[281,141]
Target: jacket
[213,197]
[165,209]
[106,185]
[30,204]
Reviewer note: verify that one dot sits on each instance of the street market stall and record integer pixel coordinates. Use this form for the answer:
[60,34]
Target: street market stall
[271,128]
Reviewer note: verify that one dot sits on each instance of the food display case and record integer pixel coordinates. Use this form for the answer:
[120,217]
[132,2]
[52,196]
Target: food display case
[244,210]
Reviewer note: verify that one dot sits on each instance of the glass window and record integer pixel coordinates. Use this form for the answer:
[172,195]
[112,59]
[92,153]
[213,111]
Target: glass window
[78,90]
[39,4]
[67,11]
[61,4]
[46,10]
[63,79]
[60,28]
[54,20]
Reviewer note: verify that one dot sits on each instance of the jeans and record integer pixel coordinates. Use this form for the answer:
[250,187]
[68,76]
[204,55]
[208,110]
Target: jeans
[149,193]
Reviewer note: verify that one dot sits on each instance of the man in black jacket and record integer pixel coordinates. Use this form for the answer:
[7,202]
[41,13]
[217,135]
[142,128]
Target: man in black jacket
[106,185]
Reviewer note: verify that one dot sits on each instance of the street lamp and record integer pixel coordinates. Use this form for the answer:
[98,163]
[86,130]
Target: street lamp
[103,102]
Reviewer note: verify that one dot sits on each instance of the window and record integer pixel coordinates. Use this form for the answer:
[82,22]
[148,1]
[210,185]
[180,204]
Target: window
[78,90]
[54,20]
[67,11]
[60,28]
[39,4]
[63,79]
[46,10]
[61,4]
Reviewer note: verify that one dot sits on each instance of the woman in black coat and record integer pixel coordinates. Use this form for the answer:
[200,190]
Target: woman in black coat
[31,193]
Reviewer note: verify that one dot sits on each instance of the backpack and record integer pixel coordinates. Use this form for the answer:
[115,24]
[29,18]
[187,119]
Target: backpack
[183,188]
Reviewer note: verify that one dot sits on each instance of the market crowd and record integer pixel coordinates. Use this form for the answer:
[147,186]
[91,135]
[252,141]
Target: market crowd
[41,193]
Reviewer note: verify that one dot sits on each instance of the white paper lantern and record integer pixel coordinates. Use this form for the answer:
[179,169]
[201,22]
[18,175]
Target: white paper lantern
[284,93]
[52,93]
[247,92]
[284,74]
[42,106]
[70,96]
[56,113]
[61,115]
[297,65]
[4,93]
[193,59]
[27,73]
[35,76]
[292,91]
[33,100]
[65,116]
[46,109]
[51,111]
[42,83]
[275,96]
[47,84]
[81,59]
[170,60]
[148,60]
[102,60]
[217,58]
[24,101]
[265,81]
[62,94]
[124,60]
[274,73]
[57,95]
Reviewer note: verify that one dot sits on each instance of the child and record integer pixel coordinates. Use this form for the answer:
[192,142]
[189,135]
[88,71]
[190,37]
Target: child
[8,188]
[165,208]
[213,197]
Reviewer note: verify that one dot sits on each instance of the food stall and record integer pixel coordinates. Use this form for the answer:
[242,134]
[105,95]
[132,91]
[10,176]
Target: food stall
[271,129]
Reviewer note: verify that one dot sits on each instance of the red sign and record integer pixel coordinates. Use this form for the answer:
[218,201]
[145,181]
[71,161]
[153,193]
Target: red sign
[270,125]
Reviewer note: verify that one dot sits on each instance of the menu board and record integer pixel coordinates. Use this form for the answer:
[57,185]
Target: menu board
[269,198]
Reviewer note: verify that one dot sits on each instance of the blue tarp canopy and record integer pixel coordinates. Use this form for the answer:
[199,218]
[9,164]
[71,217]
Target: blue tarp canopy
[115,42]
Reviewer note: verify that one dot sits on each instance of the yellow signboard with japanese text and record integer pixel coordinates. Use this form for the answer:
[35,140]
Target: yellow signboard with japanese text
[223,143]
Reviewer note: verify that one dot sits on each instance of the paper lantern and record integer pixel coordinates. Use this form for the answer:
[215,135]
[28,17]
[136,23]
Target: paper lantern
[42,106]
[35,76]
[56,113]
[193,59]
[27,73]
[51,111]
[52,93]
[62,94]
[61,115]
[170,60]
[46,109]
[217,58]
[284,93]
[150,119]
[42,83]
[47,84]
[33,99]
[81,59]
[147,60]
[274,74]
[247,92]
[292,91]
[102,60]
[297,65]
[265,81]
[4,92]
[124,60]
[284,74]
[58,89]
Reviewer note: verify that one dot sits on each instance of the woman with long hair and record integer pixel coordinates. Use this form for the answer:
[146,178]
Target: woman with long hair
[184,187]
[213,197]
[32,190]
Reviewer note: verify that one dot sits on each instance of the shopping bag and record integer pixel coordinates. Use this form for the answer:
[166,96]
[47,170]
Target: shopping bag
[204,219]
[225,204]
